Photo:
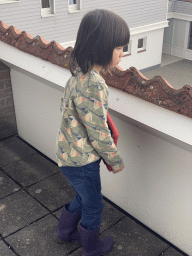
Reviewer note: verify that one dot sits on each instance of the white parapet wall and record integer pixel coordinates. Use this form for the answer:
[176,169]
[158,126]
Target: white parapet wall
[156,144]
[156,185]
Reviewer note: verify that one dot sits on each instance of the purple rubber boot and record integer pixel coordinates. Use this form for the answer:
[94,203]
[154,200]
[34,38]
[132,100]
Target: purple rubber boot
[67,228]
[92,245]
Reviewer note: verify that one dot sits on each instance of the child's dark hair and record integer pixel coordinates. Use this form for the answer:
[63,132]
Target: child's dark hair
[100,32]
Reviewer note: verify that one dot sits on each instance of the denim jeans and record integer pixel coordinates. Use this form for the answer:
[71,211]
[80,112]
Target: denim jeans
[86,182]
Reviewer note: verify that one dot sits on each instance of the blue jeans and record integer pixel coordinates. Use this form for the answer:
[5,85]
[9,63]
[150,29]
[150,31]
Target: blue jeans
[86,182]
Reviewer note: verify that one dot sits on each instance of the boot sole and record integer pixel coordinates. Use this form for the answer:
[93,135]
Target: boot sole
[62,241]
[105,253]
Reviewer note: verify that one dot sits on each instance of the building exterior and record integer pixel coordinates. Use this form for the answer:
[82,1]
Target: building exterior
[178,36]
[155,130]
[59,20]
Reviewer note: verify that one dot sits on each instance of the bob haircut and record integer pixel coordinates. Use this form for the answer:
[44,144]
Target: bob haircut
[100,32]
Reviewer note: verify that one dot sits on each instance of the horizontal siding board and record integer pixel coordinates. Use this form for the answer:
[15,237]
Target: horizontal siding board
[62,27]
[180,7]
[183,7]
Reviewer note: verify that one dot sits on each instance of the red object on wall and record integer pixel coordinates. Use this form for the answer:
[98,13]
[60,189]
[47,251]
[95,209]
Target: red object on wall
[114,134]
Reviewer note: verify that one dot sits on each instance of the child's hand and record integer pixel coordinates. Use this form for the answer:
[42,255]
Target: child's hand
[116,171]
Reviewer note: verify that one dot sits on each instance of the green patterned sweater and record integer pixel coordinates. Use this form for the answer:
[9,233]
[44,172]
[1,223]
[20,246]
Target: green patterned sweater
[84,136]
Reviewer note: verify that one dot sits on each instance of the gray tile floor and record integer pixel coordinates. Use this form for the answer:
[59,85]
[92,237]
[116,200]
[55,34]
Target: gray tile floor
[177,71]
[32,194]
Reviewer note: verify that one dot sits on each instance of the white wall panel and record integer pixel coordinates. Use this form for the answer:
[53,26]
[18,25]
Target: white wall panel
[150,57]
[179,33]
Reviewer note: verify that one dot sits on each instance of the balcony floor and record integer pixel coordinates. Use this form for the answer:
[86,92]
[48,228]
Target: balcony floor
[175,70]
[32,194]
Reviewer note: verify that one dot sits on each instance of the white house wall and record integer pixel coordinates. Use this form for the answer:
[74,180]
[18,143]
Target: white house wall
[168,37]
[179,38]
[145,59]
[176,37]
[62,26]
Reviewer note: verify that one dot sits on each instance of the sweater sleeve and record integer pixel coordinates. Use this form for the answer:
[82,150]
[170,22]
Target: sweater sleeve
[92,105]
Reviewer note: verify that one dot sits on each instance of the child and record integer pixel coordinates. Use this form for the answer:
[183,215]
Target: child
[84,137]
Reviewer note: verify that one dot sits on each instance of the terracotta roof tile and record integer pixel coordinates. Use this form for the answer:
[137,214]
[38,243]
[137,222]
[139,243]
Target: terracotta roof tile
[157,90]
[36,46]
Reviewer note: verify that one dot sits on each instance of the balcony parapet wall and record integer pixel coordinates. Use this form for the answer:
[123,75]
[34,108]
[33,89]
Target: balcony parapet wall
[157,90]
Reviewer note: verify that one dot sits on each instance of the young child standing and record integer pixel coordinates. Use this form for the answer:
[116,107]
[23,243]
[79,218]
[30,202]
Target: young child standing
[84,136]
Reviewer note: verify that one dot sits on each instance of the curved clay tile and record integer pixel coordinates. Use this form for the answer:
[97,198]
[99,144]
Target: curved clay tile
[157,90]
[36,46]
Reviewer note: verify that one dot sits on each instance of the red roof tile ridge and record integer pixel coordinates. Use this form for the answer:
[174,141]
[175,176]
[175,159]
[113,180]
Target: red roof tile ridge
[37,46]
[3,25]
[156,90]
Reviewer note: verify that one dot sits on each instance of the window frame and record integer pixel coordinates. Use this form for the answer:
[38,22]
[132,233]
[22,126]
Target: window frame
[46,12]
[8,1]
[190,37]
[127,53]
[142,49]
[72,8]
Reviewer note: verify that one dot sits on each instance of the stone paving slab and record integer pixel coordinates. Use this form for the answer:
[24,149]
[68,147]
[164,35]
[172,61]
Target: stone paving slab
[17,211]
[132,239]
[7,185]
[53,192]
[5,251]
[177,74]
[29,228]
[109,217]
[31,169]
[13,149]
[171,252]
[38,240]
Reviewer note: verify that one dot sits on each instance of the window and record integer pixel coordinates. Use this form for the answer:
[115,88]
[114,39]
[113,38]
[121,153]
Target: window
[142,42]
[190,37]
[74,5]
[45,4]
[127,49]
[47,7]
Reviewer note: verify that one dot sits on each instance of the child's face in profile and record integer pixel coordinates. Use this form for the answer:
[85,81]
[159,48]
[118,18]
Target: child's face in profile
[117,54]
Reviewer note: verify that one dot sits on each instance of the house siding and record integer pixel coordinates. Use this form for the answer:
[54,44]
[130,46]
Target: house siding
[183,7]
[180,7]
[171,6]
[63,26]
